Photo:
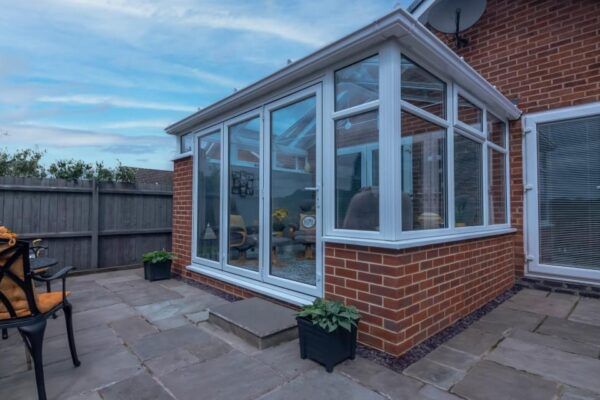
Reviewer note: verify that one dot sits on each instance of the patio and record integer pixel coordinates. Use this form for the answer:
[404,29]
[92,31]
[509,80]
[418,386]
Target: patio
[142,340]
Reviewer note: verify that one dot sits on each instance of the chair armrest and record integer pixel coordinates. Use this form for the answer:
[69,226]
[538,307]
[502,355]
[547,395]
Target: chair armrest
[62,274]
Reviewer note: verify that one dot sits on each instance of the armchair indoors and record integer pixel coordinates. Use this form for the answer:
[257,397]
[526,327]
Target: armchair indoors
[22,308]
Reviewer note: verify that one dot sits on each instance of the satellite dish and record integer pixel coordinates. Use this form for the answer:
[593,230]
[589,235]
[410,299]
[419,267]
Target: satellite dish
[454,16]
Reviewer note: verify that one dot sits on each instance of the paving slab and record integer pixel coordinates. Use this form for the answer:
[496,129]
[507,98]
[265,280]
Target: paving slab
[555,305]
[83,300]
[90,318]
[285,359]
[558,343]
[171,323]
[381,379]
[429,392]
[571,393]
[488,380]
[231,376]
[503,319]
[571,330]
[452,358]
[64,380]
[180,306]
[317,384]
[86,396]
[133,328]
[587,311]
[197,317]
[138,387]
[188,337]
[474,341]
[574,370]
[171,361]
[258,321]
[436,374]
[147,295]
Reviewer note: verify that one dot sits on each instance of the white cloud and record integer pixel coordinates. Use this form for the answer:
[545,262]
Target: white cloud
[53,136]
[207,15]
[115,102]
[141,123]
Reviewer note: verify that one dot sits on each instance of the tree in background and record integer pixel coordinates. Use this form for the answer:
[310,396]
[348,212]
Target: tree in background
[26,164]
[23,163]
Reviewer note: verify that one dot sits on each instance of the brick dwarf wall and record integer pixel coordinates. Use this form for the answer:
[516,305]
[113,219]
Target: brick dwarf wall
[406,296]
[543,54]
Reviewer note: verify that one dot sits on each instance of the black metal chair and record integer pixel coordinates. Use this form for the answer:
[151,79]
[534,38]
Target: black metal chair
[22,308]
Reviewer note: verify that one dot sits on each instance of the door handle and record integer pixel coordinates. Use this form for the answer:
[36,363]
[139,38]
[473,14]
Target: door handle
[312,188]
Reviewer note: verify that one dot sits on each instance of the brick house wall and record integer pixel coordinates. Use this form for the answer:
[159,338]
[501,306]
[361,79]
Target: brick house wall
[544,54]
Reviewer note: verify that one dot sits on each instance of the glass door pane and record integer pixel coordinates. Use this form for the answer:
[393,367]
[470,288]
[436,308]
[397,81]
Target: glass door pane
[209,196]
[293,196]
[569,193]
[244,194]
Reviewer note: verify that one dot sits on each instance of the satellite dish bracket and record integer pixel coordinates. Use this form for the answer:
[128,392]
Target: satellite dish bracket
[460,41]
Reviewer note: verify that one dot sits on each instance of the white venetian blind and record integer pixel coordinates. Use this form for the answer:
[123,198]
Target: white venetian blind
[569,192]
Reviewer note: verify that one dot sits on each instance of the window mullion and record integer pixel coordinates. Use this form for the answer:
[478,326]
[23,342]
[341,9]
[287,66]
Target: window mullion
[390,189]
[486,185]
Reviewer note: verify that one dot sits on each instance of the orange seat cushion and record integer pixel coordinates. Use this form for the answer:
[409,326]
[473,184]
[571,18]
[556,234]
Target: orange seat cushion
[13,292]
[45,302]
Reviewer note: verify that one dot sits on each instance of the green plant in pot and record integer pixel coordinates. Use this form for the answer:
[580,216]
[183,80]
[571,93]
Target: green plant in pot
[157,265]
[327,332]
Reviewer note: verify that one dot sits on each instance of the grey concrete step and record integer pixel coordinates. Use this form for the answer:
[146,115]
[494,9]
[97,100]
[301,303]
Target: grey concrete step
[259,322]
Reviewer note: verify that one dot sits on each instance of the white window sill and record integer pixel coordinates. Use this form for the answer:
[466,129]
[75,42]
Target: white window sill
[417,242]
[266,289]
[182,155]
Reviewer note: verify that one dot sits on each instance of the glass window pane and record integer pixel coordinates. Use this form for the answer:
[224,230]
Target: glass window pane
[423,174]
[356,193]
[496,130]
[293,197]
[185,143]
[470,114]
[244,162]
[422,89]
[497,190]
[468,184]
[209,196]
[357,83]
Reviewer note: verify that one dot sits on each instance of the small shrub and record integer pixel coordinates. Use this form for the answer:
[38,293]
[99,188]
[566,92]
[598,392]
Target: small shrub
[158,256]
[330,315]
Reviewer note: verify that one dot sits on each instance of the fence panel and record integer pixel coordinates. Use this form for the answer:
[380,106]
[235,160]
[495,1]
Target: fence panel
[88,224]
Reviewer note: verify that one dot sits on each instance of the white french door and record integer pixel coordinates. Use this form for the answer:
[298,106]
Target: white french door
[562,150]
[271,205]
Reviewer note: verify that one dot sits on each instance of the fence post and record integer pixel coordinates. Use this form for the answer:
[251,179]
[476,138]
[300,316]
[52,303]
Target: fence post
[94,224]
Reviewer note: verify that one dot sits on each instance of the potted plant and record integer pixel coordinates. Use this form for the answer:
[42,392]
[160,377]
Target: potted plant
[157,265]
[327,332]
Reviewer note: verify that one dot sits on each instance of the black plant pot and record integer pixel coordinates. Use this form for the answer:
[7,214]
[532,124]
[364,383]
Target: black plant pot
[328,349]
[157,271]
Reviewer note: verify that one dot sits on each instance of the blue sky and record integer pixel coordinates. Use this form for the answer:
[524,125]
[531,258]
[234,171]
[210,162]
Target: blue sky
[99,80]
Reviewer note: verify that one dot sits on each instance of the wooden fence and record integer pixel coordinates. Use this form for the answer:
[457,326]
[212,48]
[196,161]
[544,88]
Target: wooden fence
[88,224]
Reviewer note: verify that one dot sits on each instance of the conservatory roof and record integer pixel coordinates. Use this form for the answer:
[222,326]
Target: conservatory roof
[398,24]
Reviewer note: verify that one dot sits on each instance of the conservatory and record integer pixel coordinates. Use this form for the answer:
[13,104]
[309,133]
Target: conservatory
[384,139]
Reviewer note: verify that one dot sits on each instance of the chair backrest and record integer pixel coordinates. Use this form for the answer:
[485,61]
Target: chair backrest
[17,297]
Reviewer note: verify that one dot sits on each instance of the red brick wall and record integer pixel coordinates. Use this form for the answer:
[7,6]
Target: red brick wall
[544,54]
[182,213]
[406,296]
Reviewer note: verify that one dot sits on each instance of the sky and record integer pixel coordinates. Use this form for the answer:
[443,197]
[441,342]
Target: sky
[99,80]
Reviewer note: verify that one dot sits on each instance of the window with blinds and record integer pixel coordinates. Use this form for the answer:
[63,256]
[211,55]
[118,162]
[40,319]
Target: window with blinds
[569,192]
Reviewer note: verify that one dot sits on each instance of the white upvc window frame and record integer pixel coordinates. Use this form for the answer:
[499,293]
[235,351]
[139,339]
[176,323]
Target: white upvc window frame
[391,106]
[247,116]
[330,116]
[196,136]
[530,124]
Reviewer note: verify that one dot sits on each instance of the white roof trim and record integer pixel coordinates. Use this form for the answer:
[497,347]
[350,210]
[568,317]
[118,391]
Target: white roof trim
[399,24]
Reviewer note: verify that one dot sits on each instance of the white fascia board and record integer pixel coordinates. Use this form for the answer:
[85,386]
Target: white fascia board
[400,24]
